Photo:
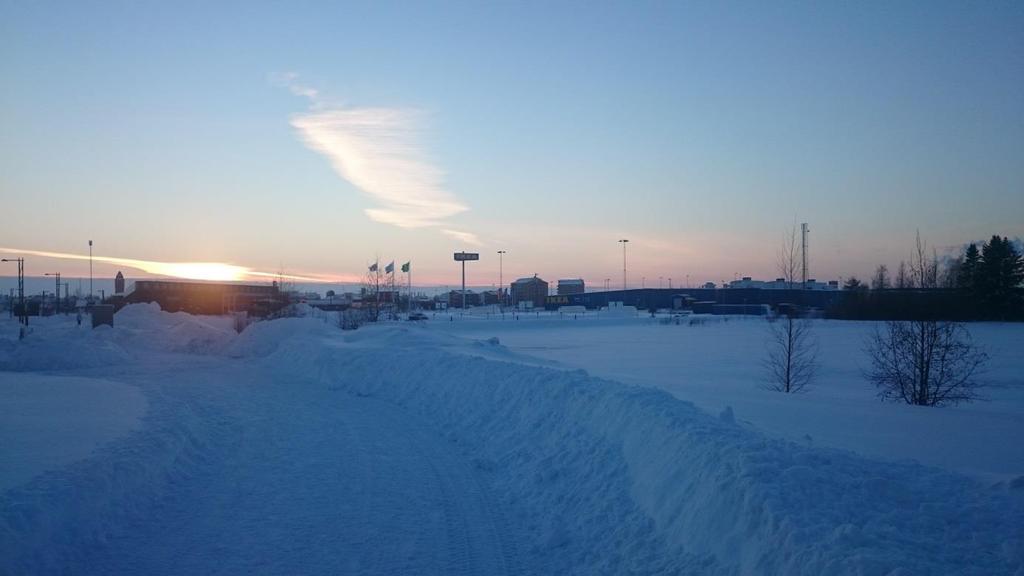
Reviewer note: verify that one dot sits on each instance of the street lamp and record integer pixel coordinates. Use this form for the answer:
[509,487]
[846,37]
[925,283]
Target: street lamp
[623,242]
[501,280]
[57,291]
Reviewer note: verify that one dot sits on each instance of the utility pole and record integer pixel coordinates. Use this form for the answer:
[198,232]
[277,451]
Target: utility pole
[623,242]
[21,287]
[90,271]
[501,281]
[56,293]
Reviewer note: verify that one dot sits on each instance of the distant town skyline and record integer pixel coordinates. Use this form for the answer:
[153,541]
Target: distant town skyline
[241,141]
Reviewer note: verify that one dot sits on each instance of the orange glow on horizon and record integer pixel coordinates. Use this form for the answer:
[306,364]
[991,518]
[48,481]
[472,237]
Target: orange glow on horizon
[208,271]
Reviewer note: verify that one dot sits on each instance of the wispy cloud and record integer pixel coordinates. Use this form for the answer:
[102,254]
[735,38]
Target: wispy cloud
[378,151]
[464,237]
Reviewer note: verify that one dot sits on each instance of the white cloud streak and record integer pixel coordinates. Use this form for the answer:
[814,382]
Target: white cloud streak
[464,237]
[377,150]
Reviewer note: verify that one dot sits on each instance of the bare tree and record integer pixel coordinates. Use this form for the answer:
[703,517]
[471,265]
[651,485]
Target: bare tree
[789,257]
[903,279]
[924,362]
[792,355]
[880,281]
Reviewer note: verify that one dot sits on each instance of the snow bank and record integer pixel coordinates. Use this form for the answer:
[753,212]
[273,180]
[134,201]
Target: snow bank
[264,338]
[612,477]
[45,350]
[147,327]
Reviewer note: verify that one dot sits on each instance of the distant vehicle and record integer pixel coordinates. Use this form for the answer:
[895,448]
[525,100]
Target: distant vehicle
[417,316]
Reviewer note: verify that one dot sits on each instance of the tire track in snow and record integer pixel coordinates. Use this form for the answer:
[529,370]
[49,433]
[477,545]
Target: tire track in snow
[289,477]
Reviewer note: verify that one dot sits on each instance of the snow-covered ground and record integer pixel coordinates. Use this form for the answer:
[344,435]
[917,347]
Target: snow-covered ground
[484,446]
[717,362]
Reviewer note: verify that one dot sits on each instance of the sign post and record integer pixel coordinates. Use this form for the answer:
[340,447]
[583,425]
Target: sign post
[462,257]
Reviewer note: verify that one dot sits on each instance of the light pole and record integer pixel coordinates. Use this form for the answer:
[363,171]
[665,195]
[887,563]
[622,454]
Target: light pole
[90,271]
[56,292]
[643,281]
[606,282]
[669,282]
[624,242]
[501,280]
[21,287]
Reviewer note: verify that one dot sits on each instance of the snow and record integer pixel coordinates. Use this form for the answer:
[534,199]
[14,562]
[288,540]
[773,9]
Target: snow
[489,446]
[51,421]
[716,362]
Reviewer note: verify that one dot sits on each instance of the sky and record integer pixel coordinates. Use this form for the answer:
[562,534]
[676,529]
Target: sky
[313,139]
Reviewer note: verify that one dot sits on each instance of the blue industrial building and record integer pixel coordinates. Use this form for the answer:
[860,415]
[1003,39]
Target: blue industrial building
[737,298]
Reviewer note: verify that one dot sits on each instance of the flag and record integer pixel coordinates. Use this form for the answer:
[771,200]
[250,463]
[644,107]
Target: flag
[373,268]
[390,267]
[405,267]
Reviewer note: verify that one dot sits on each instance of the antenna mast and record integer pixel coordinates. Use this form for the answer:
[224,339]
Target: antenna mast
[804,230]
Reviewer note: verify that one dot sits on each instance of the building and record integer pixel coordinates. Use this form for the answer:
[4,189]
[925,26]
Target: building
[209,297]
[490,297]
[531,292]
[119,283]
[455,299]
[782,284]
[571,286]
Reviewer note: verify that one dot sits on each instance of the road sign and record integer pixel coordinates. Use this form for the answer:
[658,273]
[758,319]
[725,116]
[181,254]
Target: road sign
[463,256]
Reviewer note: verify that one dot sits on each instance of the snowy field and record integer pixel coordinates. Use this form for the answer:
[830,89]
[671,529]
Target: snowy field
[544,445]
[717,363]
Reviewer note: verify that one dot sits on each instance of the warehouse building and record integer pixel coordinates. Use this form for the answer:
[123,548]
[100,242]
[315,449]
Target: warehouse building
[571,286]
[209,297]
[529,292]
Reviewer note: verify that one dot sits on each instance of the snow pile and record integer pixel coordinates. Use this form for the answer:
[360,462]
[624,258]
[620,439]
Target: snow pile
[146,326]
[264,338]
[61,349]
[614,478]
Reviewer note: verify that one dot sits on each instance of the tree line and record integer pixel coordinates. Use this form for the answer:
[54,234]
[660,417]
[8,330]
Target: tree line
[925,359]
[979,283]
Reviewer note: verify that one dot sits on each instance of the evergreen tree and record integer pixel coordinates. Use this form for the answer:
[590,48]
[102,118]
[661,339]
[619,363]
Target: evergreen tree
[969,267]
[998,276]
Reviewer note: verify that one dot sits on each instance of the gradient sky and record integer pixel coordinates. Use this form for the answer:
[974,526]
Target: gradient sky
[313,137]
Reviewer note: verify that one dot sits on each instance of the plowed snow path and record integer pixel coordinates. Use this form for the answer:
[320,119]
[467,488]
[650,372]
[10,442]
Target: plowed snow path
[293,478]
